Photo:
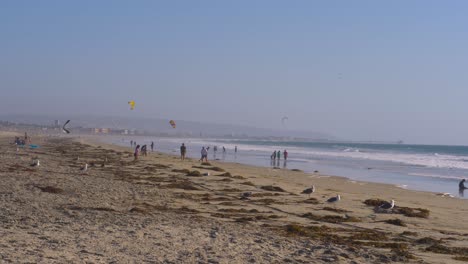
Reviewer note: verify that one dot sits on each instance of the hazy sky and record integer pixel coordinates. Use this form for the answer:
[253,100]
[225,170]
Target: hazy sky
[362,70]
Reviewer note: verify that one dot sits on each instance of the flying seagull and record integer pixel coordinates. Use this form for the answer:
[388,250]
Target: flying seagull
[309,191]
[387,205]
[64,129]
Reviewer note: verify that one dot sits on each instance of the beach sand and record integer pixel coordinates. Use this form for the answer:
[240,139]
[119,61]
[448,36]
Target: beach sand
[161,210]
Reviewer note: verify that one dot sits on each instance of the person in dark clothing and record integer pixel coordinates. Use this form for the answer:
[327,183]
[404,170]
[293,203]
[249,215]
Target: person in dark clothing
[152,146]
[183,150]
[137,152]
[461,185]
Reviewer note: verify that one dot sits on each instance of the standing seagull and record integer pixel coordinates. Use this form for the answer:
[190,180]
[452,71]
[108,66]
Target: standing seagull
[309,191]
[35,163]
[85,168]
[334,199]
[387,205]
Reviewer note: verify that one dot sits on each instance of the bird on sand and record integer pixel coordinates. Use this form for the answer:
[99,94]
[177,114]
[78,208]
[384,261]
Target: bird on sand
[387,205]
[84,168]
[309,191]
[334,199]
[35,163]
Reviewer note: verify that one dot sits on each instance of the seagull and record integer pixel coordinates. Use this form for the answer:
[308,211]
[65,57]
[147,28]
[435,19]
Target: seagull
[35,163]
[85,168]
[334,199]
[387,205]
[246,195]
[309,191]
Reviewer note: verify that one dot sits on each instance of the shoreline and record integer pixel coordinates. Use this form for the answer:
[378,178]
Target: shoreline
[452,194]
[159,209]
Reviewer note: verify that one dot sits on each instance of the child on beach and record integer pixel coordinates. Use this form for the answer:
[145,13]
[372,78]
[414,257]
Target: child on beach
[137,152]
[183,150]
[285,155]
[278,154]
[144,150]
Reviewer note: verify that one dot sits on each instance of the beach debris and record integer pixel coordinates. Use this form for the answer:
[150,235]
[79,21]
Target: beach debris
[172,123]
[272,188]
[214,232]
[132,104]
[334,199]
[206,174]
[35,163]
[445,195]
[84,168]
[397,222]
[309,191]
[64,129]
[246,195]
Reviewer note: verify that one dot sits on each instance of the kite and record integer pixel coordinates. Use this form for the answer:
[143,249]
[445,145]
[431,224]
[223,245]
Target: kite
[64,129]
[132,104]
[284,119]
[173,124]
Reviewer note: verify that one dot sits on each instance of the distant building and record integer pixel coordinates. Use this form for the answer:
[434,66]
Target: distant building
[100,130]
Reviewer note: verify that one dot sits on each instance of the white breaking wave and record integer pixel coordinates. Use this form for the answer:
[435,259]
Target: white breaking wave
[433,160]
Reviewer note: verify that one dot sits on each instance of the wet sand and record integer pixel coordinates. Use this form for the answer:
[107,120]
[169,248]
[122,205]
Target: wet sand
[162,210]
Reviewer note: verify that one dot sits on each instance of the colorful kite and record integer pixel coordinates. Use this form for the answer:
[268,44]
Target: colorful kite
[173,124]
[132,104]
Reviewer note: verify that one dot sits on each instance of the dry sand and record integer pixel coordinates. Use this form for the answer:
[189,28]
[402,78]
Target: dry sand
[151,211]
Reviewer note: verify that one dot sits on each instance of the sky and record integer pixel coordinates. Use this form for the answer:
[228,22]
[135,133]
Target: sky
[358,70]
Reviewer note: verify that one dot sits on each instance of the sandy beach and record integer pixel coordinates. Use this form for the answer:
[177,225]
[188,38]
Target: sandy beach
[162,210]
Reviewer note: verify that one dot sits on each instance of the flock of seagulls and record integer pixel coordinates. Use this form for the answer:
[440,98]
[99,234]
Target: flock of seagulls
[246,195]
[332,200]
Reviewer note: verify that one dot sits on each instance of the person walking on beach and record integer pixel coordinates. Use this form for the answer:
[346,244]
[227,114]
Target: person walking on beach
[183,150]
[273,156]
[144,150]
[131,143]
[235,149]
[285,155]
[204,155]
[278,155]
[224,149]
[152,146]
[137,152]
[461,185]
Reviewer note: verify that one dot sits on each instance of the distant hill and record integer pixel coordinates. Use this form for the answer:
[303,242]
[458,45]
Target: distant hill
[162,126]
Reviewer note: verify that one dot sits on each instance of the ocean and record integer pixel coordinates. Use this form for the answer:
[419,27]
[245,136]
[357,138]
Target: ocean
[432,168]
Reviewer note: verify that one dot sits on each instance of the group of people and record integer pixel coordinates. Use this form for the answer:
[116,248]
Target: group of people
[21,142]
[277,155]
[203,152]
[141,151]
